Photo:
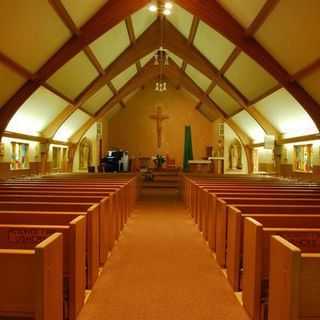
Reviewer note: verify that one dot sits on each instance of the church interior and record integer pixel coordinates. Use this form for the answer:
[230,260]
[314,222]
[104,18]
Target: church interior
[160,159]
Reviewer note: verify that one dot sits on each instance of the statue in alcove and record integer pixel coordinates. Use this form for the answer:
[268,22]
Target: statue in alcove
[85,151]
[235,155]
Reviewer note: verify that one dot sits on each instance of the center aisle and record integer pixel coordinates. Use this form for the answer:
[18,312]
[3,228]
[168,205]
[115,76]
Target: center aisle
[161,269]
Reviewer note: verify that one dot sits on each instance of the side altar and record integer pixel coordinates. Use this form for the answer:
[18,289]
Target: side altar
[214,165]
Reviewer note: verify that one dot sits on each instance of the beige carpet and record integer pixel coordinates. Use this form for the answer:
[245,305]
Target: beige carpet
[161,269]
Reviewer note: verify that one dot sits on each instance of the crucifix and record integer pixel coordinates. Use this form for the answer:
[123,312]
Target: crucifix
[159,117]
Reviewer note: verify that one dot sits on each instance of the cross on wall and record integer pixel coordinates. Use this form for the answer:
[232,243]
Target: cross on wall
[159,117]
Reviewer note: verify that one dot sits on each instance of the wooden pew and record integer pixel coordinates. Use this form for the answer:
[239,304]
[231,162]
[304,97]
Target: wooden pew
[92,233]
[120,211]
[25,235]
[294,282]
[32,281]
[109,226]
[127,189]
[235,238]
[195,205]
[213,209]
[256,259]
[222,216]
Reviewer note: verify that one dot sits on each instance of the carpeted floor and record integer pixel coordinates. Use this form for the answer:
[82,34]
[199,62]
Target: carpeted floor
[161,269]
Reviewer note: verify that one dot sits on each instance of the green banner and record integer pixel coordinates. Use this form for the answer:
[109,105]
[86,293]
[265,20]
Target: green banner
[188,154]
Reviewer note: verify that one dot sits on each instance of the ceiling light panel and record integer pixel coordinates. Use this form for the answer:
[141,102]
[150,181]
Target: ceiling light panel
[10,83]
[95,102]
[73,77]
[212,45]
[249,77]
[200,79]
[124,77]
[39,110]
[82,11]
[181,19]
[31,24]
[110,45]
[142,20]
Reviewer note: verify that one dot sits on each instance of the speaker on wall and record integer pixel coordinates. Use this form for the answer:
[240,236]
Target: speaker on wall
[269,141]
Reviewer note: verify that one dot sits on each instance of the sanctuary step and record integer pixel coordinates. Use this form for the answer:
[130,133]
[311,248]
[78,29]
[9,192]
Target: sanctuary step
[161,179]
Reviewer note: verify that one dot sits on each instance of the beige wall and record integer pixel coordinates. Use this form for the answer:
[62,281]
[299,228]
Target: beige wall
[133,130]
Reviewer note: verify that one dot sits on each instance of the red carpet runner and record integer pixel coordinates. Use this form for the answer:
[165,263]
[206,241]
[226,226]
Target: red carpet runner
[162,270]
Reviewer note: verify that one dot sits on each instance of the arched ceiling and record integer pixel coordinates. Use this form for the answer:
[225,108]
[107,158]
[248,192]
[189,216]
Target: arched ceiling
[65,64]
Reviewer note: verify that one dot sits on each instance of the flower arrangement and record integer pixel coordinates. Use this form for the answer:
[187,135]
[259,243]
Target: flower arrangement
[158,160]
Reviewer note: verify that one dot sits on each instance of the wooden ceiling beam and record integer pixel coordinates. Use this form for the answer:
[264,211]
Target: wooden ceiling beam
[132,37]
[15,67]
[57,92]
[176,43]
[266,125]
[240,133]
[115,92]
[265,94]
[148,73]
[234,55]
[64,16]
[107,17]
[312,67]
[262,16]
[130,29]
[67,20]
[193,29]
[77,136]
[17,135]
[93,59]
[198,108]
[173,72]
[52,128]
[145,44]
[86,112]
[212,13]
[192,35]
[255,25]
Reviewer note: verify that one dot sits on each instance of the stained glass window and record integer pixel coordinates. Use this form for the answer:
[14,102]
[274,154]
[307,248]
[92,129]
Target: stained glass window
[19,156]
[303,158]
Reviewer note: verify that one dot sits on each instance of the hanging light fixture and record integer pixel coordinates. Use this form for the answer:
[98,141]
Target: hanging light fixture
[161,57]
[162,7]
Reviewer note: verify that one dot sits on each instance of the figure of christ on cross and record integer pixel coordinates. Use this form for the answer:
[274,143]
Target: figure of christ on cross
[159,117]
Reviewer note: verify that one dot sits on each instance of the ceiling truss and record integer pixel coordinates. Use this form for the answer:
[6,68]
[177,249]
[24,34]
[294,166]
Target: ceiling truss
[115,11]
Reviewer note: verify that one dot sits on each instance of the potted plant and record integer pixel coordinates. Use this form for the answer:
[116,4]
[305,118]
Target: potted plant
[159,160]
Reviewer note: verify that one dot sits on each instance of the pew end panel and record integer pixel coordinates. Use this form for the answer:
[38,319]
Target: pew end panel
[294,282]
[212,221]
[234,244]
[252,263]
[221,231]
[36,292]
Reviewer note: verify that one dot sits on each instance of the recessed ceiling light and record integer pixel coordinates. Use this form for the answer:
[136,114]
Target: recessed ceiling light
[168,5]
[153,8]
[166,12]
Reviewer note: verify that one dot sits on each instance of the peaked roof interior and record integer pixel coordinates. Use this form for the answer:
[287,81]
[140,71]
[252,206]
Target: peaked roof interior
[64,64]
